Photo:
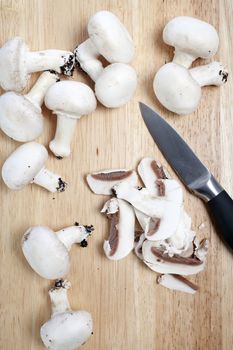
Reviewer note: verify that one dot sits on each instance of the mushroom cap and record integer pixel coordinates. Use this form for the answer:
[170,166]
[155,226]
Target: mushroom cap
[110,37]
[116,85]
[182,94]
[13,73]
[23,165]
[45,253]
[67,330]
[71,98]
[20,119]
[191,35]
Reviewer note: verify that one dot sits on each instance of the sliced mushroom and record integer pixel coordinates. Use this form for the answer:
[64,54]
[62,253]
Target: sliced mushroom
[102,182]
[121,237]
[158,181]
[159,261]
[177,282]
[164,215]
[138,246]
[150,171]
[201,248]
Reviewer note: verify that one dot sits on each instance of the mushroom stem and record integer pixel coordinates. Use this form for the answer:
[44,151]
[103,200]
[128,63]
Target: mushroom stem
[52,182]
[210,74]
[183,58]
[72,234]
[60,145]
[59,60]
[58,297]
[37,93]
[86,56]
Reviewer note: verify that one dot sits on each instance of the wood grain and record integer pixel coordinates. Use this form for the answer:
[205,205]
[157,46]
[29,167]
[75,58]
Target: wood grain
[129,310]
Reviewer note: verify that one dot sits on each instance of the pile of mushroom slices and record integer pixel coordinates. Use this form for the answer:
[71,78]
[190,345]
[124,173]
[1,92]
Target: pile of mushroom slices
[191,38]
[165,242]
[21,116]
[47,253]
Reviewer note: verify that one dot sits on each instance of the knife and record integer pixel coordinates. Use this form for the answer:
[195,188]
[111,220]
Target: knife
[192,172]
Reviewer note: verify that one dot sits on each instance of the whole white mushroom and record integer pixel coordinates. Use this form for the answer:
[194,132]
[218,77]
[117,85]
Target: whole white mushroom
[69,100]
[20,115]
[17,63]
[47,252]
[67,329]
[183,92]
[26,165]
[116,83]
[191,38]
[109,38]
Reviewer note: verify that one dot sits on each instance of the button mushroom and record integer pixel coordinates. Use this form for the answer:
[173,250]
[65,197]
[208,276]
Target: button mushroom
[20,115]
[47,252]
[192,38]
[103,181]
[26,165]
[17,63]
[109,38]
[184,94]
[67,329]
[121,238]
[69,100]
[115,84]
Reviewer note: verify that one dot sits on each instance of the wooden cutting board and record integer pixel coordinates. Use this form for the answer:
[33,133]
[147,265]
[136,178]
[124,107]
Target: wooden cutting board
[130,311]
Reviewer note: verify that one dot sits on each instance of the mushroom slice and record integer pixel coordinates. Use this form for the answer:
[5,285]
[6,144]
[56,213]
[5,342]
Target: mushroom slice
[163,215]
[138,246]
[201,248]
[102,182]
[150,171]
[159,261]
[177,282]
[121,237]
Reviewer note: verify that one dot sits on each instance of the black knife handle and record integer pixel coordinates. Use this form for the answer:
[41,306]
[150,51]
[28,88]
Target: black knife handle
[221,208]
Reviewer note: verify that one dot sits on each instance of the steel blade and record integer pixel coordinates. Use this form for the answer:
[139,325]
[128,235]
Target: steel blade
[179,155]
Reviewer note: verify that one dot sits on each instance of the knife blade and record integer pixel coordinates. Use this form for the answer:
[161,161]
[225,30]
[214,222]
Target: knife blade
[193,173]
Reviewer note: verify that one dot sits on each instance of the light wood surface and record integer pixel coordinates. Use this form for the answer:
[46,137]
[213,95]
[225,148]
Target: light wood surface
[129,310]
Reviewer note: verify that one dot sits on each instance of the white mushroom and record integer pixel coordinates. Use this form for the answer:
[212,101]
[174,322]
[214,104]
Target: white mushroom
[109,38]
[164,214]
[47,252]
[192,38]
[177,282]
[69,100]
[116,85]
[26,165]
[121,237]
[20,115]
[67,329]
[17,63]
[103,181]
[183,95]
[157,260]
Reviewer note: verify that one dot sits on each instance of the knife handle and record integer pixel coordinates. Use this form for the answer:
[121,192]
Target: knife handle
[221,208]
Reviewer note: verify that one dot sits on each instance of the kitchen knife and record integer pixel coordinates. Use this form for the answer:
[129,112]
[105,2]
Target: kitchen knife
[191,171]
